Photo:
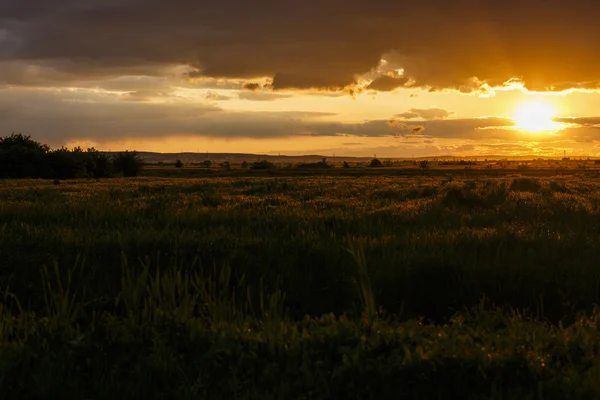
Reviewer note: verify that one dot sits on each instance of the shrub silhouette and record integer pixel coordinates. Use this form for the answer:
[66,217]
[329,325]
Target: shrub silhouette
[128,164]
[376,163]
[178,164]
[346,165]
[22,157]
[526,185]
[264,164]
[321,164]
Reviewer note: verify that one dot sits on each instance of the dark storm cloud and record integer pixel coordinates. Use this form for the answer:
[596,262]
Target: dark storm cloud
[314,43]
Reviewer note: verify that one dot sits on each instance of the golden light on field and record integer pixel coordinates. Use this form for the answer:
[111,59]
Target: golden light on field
[535,117]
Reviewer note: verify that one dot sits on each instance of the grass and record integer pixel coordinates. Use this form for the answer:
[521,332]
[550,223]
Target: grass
[301,287]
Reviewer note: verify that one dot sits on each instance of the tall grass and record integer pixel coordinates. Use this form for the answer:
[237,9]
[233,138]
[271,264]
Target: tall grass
[214,288]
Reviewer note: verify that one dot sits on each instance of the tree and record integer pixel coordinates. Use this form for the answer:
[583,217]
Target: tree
[22,157]
[128,163]
[346,165]
[178,164]
[67,164]
[98,165]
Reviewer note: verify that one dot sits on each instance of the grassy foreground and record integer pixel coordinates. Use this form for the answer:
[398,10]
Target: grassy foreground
[318,287]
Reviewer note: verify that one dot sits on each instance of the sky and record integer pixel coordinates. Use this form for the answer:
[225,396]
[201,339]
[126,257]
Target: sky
[388,78]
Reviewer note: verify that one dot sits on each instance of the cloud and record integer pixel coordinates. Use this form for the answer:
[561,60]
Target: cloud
[252,86]
[57,117]
[430,113]
[386,83]
[216,96]
[262,96]
[325,44]
[584,121]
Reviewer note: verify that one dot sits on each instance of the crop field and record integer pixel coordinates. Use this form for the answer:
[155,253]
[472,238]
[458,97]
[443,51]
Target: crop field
[418,286]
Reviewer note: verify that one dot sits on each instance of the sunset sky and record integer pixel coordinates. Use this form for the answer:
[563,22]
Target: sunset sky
[356,78]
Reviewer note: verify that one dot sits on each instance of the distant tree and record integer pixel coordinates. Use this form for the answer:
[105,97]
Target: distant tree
[376,163]
[98,164]
[128,163]
[244,164]
[67,164]
[22,157]
[178,164]
[226,166]
[424,164]
[345,165]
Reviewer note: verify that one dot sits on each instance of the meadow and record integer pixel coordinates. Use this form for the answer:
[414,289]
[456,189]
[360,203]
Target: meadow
[423,285]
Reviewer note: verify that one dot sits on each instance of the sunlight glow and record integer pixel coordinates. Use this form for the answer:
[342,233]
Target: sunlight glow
[536,117]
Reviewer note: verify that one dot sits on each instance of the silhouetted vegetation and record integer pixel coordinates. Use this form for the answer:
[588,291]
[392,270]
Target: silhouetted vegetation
[321,164]
[22,157]
[264,164]
[376,163]
[178,163]
[127,164]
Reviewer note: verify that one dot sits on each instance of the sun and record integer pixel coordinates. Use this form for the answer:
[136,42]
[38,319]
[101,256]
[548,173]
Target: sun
[535,117]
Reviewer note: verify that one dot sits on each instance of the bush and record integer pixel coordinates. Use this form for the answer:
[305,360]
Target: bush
[206,164]
[345,165]
[178,164]
[424,164]
[264,164]
[375,163]
[21,157]
[321,164]
[226,166]
[526,185]
[244,164]
[128,164]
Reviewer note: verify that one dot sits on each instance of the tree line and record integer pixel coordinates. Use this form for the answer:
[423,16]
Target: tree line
[22,157]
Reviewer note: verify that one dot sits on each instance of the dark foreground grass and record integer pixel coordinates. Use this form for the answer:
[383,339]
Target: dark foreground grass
[216,288]
[491,356]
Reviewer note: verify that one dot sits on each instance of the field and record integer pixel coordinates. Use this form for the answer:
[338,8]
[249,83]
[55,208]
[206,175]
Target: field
[429,284]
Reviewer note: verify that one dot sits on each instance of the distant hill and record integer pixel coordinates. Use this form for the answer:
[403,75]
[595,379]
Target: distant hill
[151,157]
